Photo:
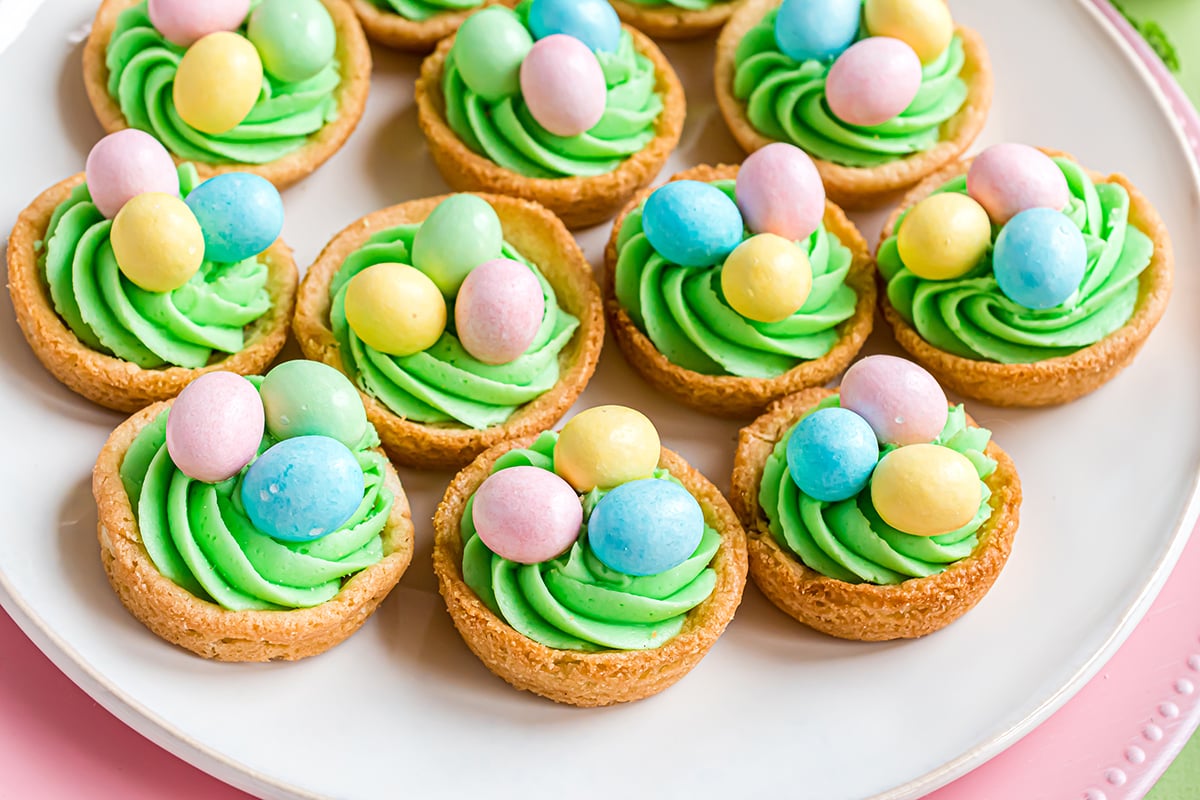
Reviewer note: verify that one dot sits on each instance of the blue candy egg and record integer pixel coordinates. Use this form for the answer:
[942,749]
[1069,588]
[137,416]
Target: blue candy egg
[1039,258]
[691,223]
[817,29]
[241,215]
[832,454]
[594,22]
[645,527]
[303,488]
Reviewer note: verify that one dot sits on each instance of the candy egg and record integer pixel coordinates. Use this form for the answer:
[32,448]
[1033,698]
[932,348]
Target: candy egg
[499,310]
[646,527]
[1040,258]
[240,213]
[606,446]
[925,25]
[563,85]
[157,242]
[303,488]
[217,83]
[873,81]
[831,454]
[692,224]
[1009,178]
[183,22]
[926,490]
[766,278]
[901,402]
[780,191]
[944,236]
[295,38]
[395,309]
[215,427]
[488,51]
[125,164]
[593,22]
[816,29]
[457,236]
[526,514]
[308,398]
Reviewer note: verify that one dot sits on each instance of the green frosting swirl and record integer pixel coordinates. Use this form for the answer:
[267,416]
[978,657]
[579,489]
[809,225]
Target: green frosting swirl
[421,10]
[574,602]
[111,315]
[142,66]
[685,315]
[785,100]
[972,318]
[848,540]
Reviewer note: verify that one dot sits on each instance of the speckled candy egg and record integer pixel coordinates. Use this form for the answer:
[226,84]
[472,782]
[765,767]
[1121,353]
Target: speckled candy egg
[944,236]
[563,85]
[779,191]
[157,242]
[692,224]
[240,213]
[395,309]
[873,81]
[1040,258]
[125,164]
[296,38]
[767,278]
[594,22]
[186,21]
[457,236]
[816,29]
[217,83]
[926,490]
[831,454]
[215,427]
[488,50]
[606,446]
[646,527]
[303,488]
[901,402]
[1009,178]
[526,514]
[499,310]
[925,25]
[308,398]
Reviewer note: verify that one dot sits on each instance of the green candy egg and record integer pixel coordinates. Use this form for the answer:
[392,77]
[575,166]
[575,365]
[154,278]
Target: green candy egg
[296,38]
[308,398]
[488,52]
[458,236]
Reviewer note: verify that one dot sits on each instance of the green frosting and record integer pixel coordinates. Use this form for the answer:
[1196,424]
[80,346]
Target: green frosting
[421,10]
[785,100]
[111,315]
[685,315]
[848,540]
[142,67]
[972,318]
[574,602]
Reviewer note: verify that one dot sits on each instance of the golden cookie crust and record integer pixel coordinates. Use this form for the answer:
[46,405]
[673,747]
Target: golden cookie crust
[541,238]
[207,629]
[392,30]
[1055,380]
[862,187]
[578,202]
[730,395]
[107,380]
[862,611]
[568,676]
[670,22]
[353,53]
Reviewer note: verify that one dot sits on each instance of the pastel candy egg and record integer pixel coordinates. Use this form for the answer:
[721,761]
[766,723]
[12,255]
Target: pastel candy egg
[831,454]
[925,25]
[816,29]
[183,22]
[1009,178]
[901,402]
[593,22]
[605,446]
[395,309]
[873,81]
[459,235]
[240,213]
[308,398]
[645,527]
[125,164]
[692,224]
[215,427]
[217,83]
[303,488]
[767,278]
[563,85]
[488,51]
[526,514]
[926,490]
[944,236]
[157,242]
[780,191]
[1040,258]
[499,311]
[295,38]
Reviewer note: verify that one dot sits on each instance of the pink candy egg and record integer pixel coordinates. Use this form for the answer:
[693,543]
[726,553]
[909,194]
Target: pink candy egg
[901,402]
[185,21]
[779,191]
[527,514]
[215,427]
[873,81]
[563,85]
[1007,179]
[125,164]
[499,310]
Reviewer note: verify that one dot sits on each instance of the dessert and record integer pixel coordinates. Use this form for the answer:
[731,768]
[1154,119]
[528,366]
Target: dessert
[593,600]
[675,19]
[416,25]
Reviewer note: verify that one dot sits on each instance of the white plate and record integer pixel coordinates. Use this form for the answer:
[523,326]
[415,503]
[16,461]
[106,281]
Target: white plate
[403,707]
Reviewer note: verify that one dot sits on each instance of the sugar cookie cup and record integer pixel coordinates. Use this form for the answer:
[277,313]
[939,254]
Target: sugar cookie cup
[394,30]
[668,21]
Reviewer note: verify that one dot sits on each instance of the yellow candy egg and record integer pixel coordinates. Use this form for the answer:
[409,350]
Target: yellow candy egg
[926,489]
[395,309]
[217,83]
[925,25]
[767,278]
[606,446]
[944,236]
[157,242]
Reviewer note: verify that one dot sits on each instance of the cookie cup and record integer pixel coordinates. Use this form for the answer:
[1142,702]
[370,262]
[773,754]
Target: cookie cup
[392,30]
[669,22]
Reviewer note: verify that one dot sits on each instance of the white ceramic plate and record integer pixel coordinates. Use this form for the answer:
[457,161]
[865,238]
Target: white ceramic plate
[404,708]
